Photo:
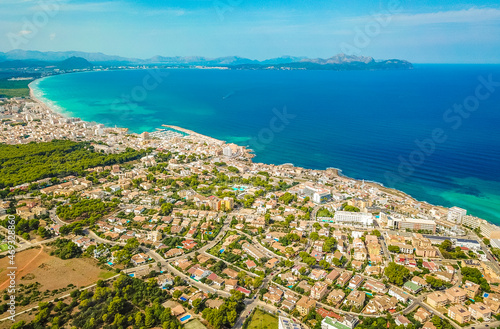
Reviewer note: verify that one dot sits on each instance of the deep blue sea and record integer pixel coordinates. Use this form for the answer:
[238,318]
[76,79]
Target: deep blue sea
[432,132]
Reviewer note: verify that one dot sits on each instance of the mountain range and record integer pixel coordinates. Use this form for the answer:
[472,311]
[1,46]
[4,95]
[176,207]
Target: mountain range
[99,59]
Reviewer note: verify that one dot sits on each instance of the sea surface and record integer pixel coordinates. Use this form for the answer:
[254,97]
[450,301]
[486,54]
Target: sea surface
[432,132]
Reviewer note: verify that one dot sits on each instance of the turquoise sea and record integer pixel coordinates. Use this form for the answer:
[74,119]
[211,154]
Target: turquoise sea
[432,132]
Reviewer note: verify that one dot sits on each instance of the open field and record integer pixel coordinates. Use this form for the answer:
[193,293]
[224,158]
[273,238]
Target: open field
[262,320]
[44,277]
[55,273]
[194,324]
[19,92]
[13,88]
[26,262]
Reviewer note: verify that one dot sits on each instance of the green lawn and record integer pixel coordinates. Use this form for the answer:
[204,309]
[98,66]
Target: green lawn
[106,275]
[262,320]
[194,324]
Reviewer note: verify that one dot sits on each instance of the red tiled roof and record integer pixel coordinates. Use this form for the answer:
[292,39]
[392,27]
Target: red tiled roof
[324,313]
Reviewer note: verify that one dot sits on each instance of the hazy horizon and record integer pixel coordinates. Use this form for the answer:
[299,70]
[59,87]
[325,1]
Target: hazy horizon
[426,32]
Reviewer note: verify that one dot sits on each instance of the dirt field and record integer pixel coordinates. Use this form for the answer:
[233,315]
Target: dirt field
[26,262]
[54,273]
[36,265]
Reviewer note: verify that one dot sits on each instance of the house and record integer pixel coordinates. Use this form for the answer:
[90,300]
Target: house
[459,313]
[272,262]
[324,313]
[165,280]
[244,291]
[493,302]
[372,270]
[319,290]
[174,252]
[252,251]
[230,273]
[420,281]
[375,286]
[305,305]
[445,276]
[288,277]
[381,304]
[336,296]
[317,274]
[345,322]
[356,298]
[399,294]
[422,315]
[250,264]
[318,245]
[402,320]
[272,297]
[189,244]
[431,266]
[472,289]
[429,325]
[200,273]
[480,311]
[304,286]
[344,278]
[139,259]
[355,281]
[437,299]
[332,276]
[231,284]
[456,295]
[216,280]
[357,265]
[288,305]
[184,264]
[214,303]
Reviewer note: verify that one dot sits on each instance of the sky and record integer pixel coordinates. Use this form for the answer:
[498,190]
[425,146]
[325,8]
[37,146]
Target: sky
[421,31]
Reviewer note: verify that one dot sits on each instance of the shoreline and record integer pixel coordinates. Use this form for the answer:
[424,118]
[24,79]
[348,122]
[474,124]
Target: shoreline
[41,102]
[337,171]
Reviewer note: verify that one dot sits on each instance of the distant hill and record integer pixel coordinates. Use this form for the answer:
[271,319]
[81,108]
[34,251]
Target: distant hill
[393,64]
[340,61]
[72,63]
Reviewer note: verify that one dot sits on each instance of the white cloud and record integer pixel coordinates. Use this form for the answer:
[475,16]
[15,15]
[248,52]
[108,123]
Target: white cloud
[24,32]
[472,15]
[52,36]
[165,12]
[106,6]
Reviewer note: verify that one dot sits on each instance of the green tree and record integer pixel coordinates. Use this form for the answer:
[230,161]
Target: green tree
[396,274]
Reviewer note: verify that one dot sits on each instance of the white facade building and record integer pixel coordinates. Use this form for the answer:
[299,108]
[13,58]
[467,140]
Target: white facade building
[354,218]
[286,323]
[456,214]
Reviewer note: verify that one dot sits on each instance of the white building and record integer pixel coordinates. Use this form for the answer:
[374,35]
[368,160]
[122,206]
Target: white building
[286,323]
[227,151]
[354,218]
[412,224]
[347,321]
[456,214]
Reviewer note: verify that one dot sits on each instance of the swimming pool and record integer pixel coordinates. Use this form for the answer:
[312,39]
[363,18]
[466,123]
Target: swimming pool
[185,318]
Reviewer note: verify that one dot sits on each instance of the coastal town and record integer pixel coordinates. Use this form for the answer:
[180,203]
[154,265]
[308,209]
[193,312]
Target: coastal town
[196,219]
